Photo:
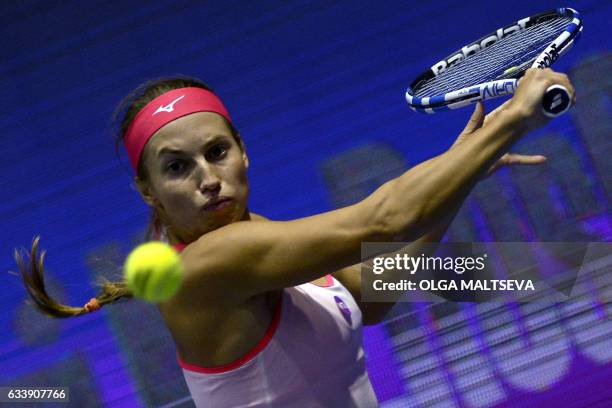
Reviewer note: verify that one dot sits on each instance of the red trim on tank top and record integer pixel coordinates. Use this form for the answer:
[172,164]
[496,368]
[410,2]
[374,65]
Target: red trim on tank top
[329,281]
[251,354]
[180,246]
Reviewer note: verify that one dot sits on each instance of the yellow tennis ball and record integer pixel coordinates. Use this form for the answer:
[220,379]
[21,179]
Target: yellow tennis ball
[154,271]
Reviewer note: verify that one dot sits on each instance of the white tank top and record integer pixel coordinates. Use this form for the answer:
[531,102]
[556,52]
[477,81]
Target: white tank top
[311,356]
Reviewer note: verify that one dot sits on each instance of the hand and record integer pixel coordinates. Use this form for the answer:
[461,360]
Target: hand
[526,103]
[478,120]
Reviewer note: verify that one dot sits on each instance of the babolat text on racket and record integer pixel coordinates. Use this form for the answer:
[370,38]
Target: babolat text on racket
[492,66]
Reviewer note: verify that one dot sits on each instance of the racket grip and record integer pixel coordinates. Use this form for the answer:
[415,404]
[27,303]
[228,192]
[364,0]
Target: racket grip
[556,101]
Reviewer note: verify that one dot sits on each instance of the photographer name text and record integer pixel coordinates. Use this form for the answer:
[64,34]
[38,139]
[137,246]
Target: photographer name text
[451,285]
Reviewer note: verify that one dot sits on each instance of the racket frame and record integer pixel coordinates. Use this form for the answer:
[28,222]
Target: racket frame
[493,89]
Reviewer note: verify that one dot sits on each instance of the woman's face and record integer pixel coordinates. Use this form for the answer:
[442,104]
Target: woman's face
[197,175]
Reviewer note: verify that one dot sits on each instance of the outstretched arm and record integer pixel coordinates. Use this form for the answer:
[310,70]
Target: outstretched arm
[246,258]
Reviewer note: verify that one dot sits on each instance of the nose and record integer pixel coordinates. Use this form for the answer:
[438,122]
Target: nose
[209,181]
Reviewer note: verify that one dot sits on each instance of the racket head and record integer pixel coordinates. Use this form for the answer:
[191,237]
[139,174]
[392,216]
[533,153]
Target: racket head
[490,66]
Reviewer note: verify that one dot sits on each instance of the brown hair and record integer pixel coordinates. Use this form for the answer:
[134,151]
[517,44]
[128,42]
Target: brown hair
[32,271]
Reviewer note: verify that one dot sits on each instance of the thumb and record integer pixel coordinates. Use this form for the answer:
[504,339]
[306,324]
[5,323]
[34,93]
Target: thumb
[476,120]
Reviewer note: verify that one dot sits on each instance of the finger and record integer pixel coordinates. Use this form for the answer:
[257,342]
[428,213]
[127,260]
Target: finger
[477,118]
[563,79]
[520,159]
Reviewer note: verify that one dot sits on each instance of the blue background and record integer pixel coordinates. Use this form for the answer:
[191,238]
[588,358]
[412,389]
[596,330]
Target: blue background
[317,90]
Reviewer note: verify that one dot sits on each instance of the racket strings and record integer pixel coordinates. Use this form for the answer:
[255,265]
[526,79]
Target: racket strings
[516,51]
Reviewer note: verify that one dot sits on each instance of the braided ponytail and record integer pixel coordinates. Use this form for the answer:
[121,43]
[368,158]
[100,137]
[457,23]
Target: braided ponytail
[32,274]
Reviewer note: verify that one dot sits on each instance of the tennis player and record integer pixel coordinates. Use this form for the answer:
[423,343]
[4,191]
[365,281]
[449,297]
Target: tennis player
[269,313]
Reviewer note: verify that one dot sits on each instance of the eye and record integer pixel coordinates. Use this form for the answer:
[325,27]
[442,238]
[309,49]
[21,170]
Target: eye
[175,166]
[217,152]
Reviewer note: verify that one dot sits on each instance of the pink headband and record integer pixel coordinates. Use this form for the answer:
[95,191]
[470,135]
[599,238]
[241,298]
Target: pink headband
[164,109]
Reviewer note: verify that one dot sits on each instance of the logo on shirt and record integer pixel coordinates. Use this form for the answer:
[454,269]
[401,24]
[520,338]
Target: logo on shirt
[169,107]
[344,309]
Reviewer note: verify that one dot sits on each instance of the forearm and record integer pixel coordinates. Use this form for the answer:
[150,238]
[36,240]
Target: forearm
[425,197]
[449,198]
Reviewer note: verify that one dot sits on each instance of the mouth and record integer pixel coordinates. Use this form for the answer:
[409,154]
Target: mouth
[217,203]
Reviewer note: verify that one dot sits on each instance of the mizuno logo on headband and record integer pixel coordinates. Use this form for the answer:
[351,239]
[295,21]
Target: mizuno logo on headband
[169,107]
[147,121]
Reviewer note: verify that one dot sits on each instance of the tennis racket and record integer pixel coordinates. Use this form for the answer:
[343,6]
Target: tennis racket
[492,66]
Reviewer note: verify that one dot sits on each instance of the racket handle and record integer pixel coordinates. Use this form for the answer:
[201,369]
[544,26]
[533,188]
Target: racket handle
[556,101]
